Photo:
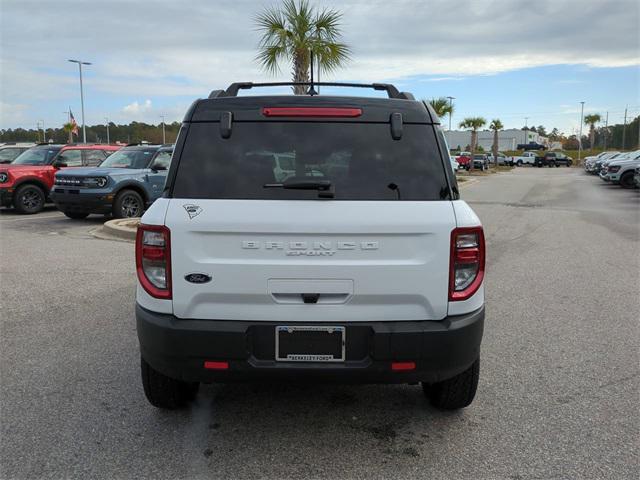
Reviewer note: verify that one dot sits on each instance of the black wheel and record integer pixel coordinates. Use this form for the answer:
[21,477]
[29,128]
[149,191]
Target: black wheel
[29,199]
[165,392]
[626,180]
[552,164]
[457,392]
[519,163]
[557,165]
[128,204]
[76,215]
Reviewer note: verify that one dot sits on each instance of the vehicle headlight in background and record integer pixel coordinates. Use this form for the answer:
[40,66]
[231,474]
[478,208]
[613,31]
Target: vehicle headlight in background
[4,177]
[96,182]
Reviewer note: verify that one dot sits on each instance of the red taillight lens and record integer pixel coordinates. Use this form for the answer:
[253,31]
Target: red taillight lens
[153,260]
[403,366]
[211,365]
[310,112]
[467,262]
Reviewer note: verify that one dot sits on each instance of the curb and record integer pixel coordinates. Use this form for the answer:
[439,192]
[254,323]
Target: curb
[471,181]
[121,228]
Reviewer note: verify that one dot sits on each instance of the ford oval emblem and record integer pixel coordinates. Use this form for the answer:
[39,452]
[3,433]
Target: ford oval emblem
[197,278]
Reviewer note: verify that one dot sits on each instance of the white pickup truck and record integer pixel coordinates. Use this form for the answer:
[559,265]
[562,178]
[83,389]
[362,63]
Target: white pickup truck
[527,158]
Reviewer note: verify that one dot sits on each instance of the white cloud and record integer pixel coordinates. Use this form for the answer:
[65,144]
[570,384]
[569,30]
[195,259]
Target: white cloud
[136,108]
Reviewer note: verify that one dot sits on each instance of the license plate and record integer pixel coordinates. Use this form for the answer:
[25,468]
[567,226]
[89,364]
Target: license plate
[301,343]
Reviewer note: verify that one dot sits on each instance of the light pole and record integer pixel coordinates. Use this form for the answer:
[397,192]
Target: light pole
[164,138]
[106,119]
[526,136]
[451,99]
[580,134]
[606,131]
[84,130]
[624,129]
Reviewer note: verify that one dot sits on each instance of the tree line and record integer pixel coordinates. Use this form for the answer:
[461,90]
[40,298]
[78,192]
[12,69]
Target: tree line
[132,133]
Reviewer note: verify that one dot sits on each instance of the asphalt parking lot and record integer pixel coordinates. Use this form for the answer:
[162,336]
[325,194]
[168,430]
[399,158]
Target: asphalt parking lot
[559,385]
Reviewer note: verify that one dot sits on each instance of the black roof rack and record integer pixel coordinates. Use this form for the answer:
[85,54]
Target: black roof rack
[234,88]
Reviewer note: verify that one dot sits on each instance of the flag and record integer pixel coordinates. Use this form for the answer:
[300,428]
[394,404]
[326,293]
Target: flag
[72,120]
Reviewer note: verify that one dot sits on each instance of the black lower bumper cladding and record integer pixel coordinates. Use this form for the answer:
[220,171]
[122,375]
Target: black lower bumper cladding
[179,349]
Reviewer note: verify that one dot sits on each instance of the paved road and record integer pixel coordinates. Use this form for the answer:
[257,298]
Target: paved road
[559,387]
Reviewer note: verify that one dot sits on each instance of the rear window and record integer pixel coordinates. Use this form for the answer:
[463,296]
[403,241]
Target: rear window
[360,160]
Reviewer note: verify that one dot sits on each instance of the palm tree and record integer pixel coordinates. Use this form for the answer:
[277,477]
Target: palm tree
[473,123]
[294,32]
[68,127]
[442,106]
[496,125]
[591,120]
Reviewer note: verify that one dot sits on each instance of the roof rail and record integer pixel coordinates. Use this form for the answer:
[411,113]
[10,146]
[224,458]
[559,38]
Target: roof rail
[233,89]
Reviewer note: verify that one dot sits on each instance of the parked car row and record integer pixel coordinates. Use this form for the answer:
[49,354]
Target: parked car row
[480,161]
[83,179]
[619,168]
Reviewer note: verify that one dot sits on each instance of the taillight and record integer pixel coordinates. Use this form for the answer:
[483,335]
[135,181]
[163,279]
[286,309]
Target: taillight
[467,262]
[153,260]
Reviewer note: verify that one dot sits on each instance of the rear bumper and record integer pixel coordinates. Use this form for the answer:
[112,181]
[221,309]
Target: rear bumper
[81,202]
[6,197]
[440,349]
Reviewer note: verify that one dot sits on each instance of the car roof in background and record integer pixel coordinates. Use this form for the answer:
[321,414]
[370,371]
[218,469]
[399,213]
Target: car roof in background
[96,146]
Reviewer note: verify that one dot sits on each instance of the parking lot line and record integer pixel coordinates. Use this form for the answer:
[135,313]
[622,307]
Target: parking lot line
[29,217]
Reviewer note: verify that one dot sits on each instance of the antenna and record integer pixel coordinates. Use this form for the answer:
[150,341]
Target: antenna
[311,91]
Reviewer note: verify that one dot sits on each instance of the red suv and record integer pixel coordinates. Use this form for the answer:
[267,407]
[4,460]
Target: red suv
[25,183]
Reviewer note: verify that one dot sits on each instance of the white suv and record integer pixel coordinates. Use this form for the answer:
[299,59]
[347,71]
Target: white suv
[361,265]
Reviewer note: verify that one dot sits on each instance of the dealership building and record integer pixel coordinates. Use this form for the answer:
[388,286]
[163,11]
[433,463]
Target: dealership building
[507,139]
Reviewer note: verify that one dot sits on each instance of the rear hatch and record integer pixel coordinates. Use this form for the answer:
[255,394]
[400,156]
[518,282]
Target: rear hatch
[364,235]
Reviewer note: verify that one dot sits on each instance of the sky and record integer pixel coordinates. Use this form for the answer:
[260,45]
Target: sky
[506,59]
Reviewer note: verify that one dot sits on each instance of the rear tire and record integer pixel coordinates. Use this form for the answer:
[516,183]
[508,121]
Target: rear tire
[29,199]
[165,392]
[76,215]
[457,392]
[519,163]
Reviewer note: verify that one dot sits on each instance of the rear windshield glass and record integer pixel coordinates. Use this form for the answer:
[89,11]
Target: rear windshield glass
[134,158]
[362,161]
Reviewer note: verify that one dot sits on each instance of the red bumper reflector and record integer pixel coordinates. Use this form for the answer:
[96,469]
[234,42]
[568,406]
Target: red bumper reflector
[216,365]
[311,112]
[400,366]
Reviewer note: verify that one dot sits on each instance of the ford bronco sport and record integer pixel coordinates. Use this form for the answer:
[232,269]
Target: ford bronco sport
[26,182]
[123,185]
[357,262]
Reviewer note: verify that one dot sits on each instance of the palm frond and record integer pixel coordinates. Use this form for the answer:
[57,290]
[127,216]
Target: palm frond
[441,106]
[496,125]
[474,123]
[269,57]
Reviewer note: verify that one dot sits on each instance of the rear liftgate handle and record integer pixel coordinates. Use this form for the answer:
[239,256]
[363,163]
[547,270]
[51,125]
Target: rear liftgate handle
[310,297]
